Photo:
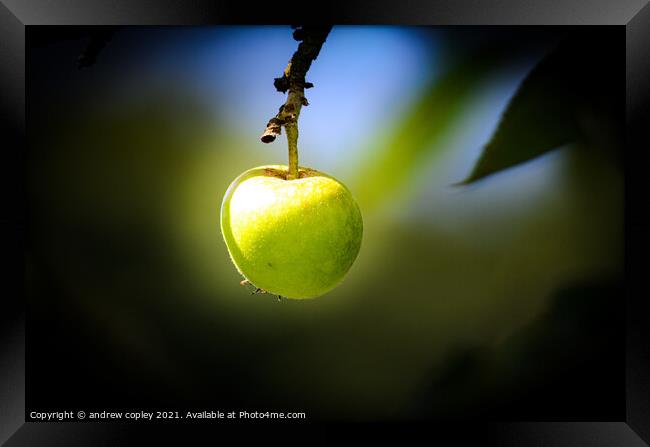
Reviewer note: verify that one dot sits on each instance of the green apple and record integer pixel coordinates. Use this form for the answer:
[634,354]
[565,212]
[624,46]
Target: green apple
[294,238]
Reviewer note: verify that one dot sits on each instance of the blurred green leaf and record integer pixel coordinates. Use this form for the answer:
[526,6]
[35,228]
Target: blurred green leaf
[569,96]
[432,116]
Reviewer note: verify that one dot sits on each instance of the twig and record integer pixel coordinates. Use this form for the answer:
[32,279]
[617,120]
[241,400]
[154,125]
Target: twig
[97,43]
[311,40]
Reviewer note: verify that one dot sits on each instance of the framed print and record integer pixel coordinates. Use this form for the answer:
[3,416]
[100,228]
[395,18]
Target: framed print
[430,217]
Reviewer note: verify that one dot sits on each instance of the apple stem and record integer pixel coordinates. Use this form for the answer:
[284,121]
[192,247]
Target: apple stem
[292,140]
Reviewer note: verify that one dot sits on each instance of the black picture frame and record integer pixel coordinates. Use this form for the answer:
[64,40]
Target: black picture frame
[634,15]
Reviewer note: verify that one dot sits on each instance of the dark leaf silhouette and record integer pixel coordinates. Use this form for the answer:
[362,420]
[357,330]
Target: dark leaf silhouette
[569,96]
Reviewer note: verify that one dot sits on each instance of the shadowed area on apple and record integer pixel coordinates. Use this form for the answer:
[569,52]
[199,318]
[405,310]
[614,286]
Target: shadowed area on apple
[493,299]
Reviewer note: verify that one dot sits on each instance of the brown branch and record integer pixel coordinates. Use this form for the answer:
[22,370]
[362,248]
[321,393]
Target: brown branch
[311,40]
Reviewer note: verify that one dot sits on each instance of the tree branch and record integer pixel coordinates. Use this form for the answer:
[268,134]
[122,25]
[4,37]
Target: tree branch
[311,40]
[97,43]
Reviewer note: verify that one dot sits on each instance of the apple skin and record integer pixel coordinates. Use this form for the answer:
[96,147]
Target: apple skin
[294,238]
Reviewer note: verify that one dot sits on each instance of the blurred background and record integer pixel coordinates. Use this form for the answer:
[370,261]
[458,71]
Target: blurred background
[500,299]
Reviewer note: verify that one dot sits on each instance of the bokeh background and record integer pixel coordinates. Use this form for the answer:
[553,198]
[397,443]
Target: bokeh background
[499,299]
